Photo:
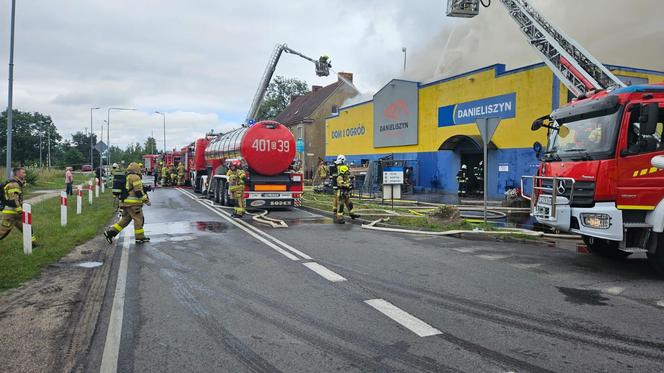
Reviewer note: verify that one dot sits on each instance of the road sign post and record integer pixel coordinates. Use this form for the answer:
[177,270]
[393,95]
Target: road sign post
[487,127]
[392,181]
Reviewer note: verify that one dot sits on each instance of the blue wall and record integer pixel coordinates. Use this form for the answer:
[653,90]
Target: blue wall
[445,164]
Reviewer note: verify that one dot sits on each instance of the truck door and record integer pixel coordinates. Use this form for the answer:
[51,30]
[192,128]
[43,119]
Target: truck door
[639,185]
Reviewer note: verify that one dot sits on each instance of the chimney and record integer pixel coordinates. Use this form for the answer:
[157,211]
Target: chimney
[315,88]
[347,76]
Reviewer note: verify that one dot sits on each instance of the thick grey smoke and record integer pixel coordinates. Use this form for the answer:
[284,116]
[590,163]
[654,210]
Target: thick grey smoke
[628,33]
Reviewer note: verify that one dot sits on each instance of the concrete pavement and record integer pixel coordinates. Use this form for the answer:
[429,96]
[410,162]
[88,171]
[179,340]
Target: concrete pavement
[213,294]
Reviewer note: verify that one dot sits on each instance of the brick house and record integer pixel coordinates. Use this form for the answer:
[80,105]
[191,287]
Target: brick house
[305,117]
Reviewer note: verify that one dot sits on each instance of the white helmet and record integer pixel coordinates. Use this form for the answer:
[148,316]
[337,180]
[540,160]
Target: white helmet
[115,165]
[464,167]
[341,159]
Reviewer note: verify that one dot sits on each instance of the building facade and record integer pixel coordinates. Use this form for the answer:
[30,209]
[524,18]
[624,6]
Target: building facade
[433,124]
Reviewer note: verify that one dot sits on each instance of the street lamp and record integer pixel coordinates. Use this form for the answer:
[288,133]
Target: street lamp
[10,91]
[403,49]
[92,163]
[108,128]
[163,115]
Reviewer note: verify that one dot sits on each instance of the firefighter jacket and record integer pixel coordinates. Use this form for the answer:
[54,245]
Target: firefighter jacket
[13,191]
[345,182]
[180,169]
[136,196]
[462,176]
[164,171]
[236,180]
[323,172]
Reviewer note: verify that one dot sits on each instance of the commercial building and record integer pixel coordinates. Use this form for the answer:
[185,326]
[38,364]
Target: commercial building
[432,125]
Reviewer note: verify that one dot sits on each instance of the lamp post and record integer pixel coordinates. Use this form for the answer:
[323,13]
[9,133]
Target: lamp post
[10,91]
[108,129]
[164,116]
[403,49]
[92,162]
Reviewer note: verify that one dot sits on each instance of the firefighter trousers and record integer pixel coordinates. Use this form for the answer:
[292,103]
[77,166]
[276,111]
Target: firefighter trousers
[240,206]
[130,213]
[8,222]
[343,201]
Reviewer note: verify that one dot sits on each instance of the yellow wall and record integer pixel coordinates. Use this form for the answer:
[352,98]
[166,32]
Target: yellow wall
[533,88]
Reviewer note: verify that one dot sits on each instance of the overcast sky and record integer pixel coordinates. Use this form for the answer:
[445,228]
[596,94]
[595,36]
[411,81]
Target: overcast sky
[200,61]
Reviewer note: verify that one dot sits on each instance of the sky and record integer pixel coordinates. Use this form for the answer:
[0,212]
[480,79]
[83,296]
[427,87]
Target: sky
[200,61]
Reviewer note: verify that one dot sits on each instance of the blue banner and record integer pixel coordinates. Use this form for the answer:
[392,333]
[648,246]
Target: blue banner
[503,106]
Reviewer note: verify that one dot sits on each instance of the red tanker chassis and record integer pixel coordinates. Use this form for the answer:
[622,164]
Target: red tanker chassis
[596,178]
[267,149]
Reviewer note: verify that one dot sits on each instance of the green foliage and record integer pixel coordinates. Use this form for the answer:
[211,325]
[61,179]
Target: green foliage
[150,145]
[31,176]
[73,158]
[278,96]
[27,128]
[446,212]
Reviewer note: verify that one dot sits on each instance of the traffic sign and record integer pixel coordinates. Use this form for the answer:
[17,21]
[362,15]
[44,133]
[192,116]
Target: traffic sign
[299,145]
[393,175]
[101,147]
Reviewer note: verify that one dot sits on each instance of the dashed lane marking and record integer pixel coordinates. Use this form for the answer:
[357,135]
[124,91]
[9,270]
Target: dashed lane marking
[324,272]
[660,303]
[402,317]
[616,290]
[109,360]
[493,256]
[526,265]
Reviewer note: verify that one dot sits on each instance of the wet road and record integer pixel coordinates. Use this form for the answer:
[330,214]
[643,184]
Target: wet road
[213,294]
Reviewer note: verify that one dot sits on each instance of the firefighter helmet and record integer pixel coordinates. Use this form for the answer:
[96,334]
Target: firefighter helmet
[235,164]
[115,165]
[343,169]
[341,159]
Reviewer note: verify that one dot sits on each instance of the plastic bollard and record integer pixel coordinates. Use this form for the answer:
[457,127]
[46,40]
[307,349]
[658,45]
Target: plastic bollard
[63,209]
[96,188]
[103,185]
[79,200]
[90,192]
[27,229]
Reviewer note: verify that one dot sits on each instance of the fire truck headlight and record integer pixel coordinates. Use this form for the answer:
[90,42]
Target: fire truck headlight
[597,221]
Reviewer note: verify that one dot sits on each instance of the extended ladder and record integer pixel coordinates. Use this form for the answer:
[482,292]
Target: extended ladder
[577,69]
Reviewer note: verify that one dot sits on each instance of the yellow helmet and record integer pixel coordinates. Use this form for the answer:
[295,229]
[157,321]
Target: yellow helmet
[134,167]
[343,169]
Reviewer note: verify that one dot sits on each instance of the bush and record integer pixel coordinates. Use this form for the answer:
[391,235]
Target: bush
[446,212]
[31,176]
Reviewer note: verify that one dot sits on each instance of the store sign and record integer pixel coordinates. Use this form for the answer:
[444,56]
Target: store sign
[357,130]
[503,106]
[395,114]
[393,175]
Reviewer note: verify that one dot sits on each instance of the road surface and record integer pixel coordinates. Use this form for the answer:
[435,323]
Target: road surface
[213,294]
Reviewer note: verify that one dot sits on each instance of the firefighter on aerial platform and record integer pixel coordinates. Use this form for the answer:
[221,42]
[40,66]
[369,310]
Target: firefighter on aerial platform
[180,174]
[132,199]
[12,195]
[462,178]
[236,178]
[334,173]
[344,188]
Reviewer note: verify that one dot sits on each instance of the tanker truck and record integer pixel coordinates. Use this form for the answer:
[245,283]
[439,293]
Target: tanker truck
[267,150]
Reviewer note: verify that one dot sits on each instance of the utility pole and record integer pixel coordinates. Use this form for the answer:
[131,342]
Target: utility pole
[10,91]
[92,163]
[49,148]
[41,133]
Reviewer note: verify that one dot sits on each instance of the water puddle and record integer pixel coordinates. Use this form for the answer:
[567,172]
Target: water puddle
[209,226]
[584,296]
[89,264]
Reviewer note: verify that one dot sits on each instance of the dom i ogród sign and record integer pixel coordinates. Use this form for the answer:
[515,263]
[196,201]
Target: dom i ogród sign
[503,106]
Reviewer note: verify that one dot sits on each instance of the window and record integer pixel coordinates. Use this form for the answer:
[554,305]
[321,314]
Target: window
[638,143]
[335,109]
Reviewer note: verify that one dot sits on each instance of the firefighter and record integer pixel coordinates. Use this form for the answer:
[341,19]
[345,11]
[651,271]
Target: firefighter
[236,178]
[131,201]
[462,179]
[344,188]
[164,174]
[321,173]
[341,160]
[12,213]
[478,173]
[180,174]
[172,175]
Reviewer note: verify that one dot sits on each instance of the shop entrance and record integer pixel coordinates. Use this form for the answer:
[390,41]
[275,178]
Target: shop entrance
[468,150]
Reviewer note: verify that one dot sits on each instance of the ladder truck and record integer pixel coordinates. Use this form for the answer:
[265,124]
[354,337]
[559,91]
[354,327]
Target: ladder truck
[267,148]
[600,173]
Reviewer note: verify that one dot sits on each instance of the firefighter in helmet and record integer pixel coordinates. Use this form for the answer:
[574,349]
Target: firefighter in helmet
[164,174]
[132,199]
[478,173]
[173,175]
[334,173]
[462,179]
[344,188]
[236,178]
[322,173]
[12,213]
[180,174]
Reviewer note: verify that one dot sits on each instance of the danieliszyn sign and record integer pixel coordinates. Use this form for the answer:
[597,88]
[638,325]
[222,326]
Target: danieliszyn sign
[503,106]
[395,114]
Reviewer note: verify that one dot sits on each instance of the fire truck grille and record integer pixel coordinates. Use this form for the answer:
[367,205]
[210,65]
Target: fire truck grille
[584,191]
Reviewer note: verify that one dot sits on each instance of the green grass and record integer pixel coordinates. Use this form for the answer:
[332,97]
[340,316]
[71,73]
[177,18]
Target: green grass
[50,179]
[54,241]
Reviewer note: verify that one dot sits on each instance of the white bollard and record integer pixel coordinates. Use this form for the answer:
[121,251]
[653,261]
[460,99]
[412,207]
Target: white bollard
[103,185]
[90,191]
[79,200]
[96,188]
[63,209]
[27,228]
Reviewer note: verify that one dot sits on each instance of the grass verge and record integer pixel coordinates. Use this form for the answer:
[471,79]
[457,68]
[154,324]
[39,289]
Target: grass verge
[54,241]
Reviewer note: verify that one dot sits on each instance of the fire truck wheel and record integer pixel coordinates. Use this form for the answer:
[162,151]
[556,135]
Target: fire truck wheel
[656,259]
[224,194]
[605,248]
[217,192]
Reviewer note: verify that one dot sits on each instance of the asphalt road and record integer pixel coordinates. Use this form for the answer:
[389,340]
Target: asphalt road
[210,294]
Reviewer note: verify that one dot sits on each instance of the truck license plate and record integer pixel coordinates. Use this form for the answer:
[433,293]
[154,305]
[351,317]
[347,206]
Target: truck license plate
[286,202]
[270,195]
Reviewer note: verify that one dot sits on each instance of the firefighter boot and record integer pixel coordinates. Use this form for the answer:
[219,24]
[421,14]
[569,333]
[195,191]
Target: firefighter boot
[108,237]
[353,215]
[143,240]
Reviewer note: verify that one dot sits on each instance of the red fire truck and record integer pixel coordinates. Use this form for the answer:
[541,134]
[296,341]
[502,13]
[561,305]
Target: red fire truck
[597,175]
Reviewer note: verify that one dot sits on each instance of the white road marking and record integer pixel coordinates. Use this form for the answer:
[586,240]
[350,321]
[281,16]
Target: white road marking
[109,360]
[465,251]
[616,290]
[324,272]
[402,317]
[660,303]
[251,233]
[181,238]
[493,257]
[526,265]
[265,234]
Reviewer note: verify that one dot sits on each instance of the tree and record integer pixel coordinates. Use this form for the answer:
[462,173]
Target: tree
[27,128]
[278,96]
[82,143]
[151,145]
[73,157]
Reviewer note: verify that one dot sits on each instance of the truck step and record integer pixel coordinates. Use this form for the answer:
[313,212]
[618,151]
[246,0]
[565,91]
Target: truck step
[637,225]
[634,250]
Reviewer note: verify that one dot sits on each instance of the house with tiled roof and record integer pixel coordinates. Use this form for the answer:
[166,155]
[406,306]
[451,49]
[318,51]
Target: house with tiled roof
[305,117]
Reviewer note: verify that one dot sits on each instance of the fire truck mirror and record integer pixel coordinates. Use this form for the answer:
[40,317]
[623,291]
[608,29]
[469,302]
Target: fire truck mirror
[648,119]
[537,147]
[540,122]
